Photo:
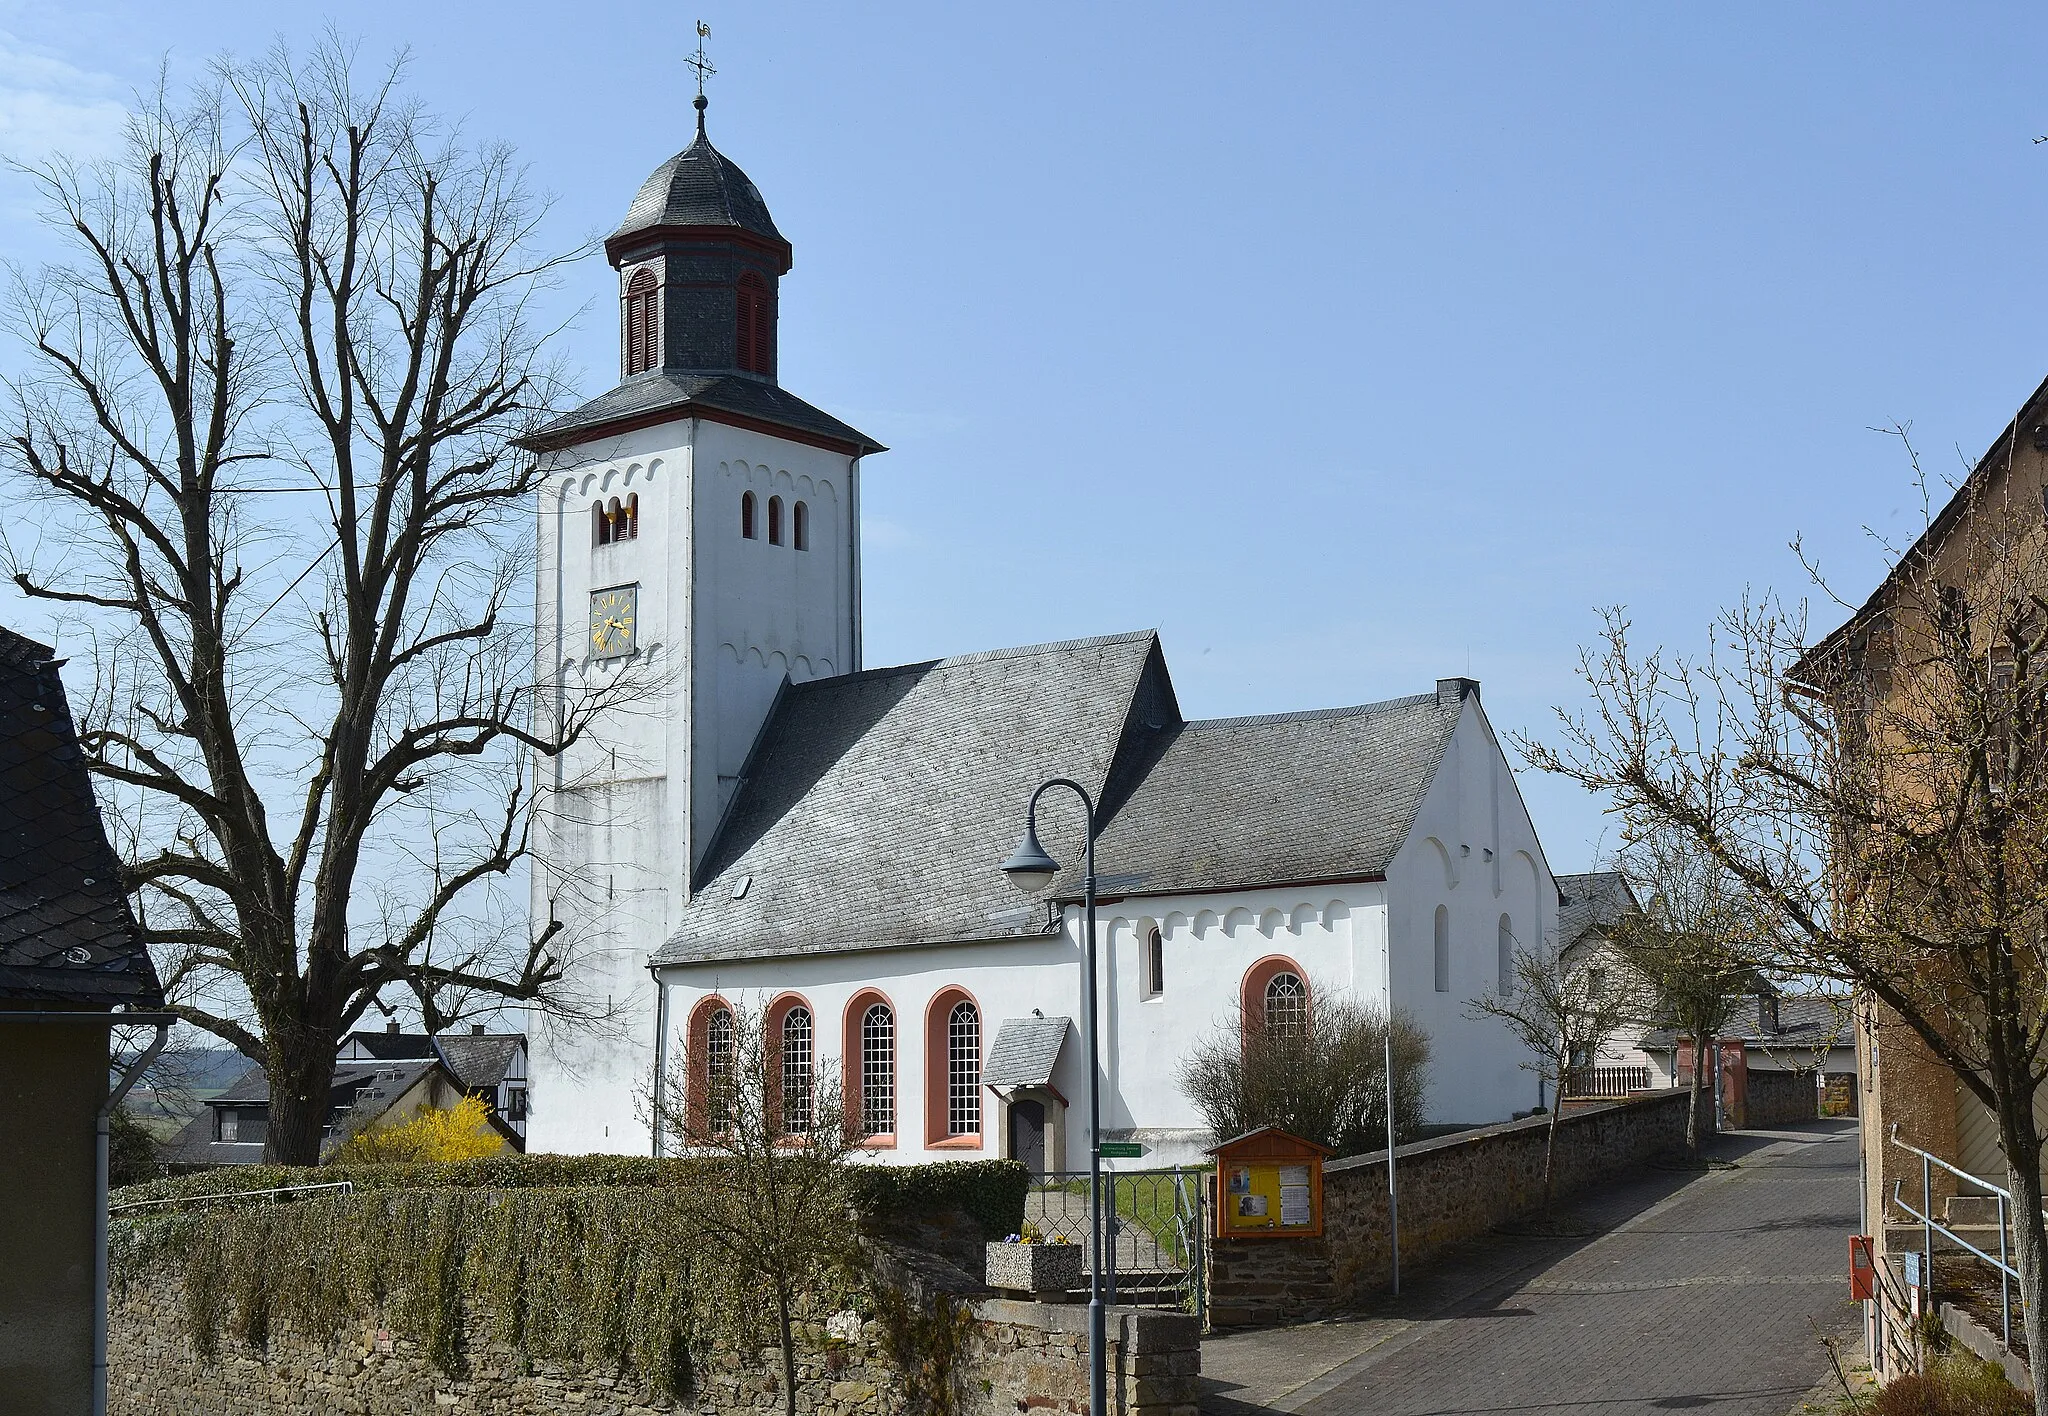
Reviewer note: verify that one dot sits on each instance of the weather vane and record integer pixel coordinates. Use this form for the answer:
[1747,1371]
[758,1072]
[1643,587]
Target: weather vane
[699,62]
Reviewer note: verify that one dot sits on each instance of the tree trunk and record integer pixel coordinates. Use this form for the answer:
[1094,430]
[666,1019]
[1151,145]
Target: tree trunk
[2022,1140]
[1550,1145]
[301,1077]
[783,1329]
[1694,1091]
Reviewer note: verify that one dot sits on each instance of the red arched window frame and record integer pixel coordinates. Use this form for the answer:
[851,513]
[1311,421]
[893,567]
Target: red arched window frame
[747,515]
[775,521]
[782,1065]
[939,1072]
[753,336]
[800,526]
[642,322]
[855,1068]
[1252,992]
[697,1084]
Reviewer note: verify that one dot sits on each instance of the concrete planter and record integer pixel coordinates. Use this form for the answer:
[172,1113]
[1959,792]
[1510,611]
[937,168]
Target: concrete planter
[1034,1268]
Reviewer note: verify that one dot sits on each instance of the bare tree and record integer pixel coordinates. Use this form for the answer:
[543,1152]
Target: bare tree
[1884,793]
[1320,1074]
[1696,944]
[782,1216]
[1561,1012]
[264,418]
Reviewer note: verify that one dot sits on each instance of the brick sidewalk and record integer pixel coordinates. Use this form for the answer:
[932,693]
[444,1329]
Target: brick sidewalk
[1698,1292]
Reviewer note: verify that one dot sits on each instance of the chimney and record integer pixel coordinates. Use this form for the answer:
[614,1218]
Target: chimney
[1456,690]
[476,1029]
[392,1027]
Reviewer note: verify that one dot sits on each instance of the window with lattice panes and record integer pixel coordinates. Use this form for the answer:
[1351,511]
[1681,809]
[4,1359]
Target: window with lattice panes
[1286,1004]
[718,1071]
[878,1071]
[963,1071]
[798,1095]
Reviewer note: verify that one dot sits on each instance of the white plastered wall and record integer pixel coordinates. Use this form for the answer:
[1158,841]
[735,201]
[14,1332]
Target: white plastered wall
[720,621]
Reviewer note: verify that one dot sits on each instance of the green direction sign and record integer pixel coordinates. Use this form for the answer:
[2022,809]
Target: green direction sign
[1120,1150]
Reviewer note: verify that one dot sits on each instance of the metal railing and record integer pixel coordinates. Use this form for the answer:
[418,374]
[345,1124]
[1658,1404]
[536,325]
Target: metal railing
[1155,1224]
[1930,1226]
[1604,1082]
[282,1192]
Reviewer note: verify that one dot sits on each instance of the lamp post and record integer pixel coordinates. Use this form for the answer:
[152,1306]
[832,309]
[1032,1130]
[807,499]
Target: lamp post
[1030,869]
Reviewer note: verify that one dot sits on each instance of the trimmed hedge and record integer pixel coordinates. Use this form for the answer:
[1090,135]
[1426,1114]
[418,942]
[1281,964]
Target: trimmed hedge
[990,1191]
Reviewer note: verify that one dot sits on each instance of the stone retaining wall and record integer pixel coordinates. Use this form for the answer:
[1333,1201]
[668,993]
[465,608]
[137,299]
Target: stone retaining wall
[1451,1189]
[1774,1098]
[1015,1357]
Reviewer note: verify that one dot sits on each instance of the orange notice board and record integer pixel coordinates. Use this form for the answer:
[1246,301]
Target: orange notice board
[1269,1185]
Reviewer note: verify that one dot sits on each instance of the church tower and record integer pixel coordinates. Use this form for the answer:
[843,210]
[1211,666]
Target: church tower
[699,540]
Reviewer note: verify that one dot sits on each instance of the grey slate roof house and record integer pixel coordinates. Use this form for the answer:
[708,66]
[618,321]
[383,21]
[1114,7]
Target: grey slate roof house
[70,961]
[488,1065]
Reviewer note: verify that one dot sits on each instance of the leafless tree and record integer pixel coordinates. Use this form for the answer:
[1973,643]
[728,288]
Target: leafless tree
[782,1217]
[263,418]
[1321,1075]
[1561,1011]
[1884,793]
[1697,945]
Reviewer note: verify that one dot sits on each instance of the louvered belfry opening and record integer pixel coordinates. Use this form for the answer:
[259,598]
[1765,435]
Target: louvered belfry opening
[642,322]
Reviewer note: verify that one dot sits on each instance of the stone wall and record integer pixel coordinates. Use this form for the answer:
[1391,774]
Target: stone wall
[1451,1189]
[1014,1357]
[1779,1098]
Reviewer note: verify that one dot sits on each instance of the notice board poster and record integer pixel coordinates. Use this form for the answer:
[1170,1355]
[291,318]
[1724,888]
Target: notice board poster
[1264,1199]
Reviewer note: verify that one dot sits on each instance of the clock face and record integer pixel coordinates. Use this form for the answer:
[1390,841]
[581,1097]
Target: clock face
[613,615]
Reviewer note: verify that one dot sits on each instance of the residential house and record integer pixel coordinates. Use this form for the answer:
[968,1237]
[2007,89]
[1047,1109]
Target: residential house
[491,1066]
[72,967]
[364,1095]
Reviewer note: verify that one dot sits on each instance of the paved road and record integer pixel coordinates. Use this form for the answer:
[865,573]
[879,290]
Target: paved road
[1703,1291]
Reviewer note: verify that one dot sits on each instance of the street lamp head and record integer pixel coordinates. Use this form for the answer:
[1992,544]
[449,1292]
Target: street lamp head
[1030,869]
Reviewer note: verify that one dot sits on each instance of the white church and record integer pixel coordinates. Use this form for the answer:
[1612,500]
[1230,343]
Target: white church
[778,826]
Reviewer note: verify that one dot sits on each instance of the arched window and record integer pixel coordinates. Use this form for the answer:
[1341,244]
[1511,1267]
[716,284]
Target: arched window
[754,325]
[775,521]
[1443,949]
[1507,956]
[800,526]
[963,1071]
[628,526]
[642,321]
[1286,1005]
[718,1070]
[1153,965]
[747,515]
[867,1059]
[600,525]
[798,1093]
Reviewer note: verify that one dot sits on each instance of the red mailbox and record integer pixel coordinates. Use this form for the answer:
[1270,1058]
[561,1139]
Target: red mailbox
[1862,1268]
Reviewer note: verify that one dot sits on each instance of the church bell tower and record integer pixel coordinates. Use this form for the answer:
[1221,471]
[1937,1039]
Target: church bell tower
[699,547]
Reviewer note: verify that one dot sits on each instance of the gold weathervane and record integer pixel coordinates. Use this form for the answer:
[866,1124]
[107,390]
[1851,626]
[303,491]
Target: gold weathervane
[700,63]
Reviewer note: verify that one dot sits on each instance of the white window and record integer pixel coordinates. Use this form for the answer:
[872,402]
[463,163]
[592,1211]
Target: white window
[797,1096]
[1152,967]
[963,1071]
[878,1071]
[1286,1004]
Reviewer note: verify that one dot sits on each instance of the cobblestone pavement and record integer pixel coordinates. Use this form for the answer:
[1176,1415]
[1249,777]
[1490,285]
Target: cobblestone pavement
[1695,1291]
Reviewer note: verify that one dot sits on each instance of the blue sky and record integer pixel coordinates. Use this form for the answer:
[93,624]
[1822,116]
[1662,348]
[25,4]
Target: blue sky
[1350,347]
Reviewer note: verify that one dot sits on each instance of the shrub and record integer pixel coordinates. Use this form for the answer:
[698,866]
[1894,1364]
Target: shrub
[1957,1385]
[432,1135]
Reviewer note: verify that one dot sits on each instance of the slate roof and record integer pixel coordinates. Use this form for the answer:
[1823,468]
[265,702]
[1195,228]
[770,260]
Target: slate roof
[478,1060]
[1804,1019]
[1283,799]
[359,1093]
[1025,1051]
[660,394]
[1590,901]
[699,186]
[875,807]
[66,935]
